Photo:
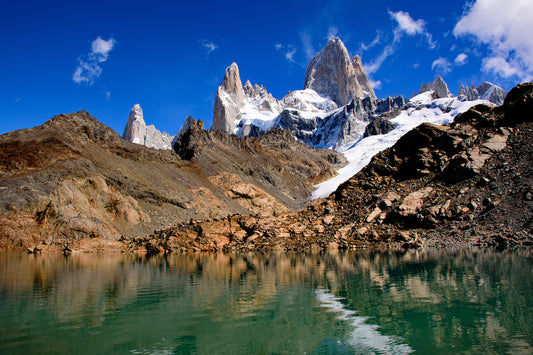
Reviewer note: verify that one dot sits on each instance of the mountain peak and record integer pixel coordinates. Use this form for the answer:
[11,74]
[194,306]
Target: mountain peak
[439,87]
[331,74]
[136,131]
[229,100]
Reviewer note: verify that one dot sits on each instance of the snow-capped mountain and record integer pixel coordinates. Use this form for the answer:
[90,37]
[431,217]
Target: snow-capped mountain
[334,107]
[485,91]
[426,107]
[337,109]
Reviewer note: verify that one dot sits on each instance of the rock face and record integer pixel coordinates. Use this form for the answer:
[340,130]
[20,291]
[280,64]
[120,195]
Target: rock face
[486,91]
[331,74]
[136,131]
[361,77]
[229,100]
[439,88]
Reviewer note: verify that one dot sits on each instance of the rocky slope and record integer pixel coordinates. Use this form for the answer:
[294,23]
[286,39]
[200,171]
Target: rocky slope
[468,183]
[74,180]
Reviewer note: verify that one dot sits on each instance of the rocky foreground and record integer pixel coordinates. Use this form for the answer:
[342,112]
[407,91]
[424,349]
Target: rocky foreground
[467,184]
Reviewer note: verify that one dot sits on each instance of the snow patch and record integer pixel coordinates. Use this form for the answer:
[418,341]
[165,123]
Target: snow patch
[421,109]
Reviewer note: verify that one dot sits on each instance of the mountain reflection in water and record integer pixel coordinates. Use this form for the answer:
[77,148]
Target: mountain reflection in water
[444,301]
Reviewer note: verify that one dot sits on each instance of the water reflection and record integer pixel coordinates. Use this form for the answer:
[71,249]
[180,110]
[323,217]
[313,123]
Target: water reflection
[433,300]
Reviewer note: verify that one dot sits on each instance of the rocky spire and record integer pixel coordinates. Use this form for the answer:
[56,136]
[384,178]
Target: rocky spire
[485,91]
[229,100]
[331,73]
[136,131]
[136,127]
[361,77]
[439,87]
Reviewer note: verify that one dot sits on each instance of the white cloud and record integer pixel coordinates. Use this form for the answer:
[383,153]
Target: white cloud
[209,46]
[505,27]
[288,51]
[461,59]
[376,84]
[441,65]
[406,23]
[88,68]
[108,95]
[501,66]
[101,48]
[308,47]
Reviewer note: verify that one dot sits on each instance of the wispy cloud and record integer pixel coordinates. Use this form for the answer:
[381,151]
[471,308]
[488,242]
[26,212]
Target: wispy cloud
[288,51]
[307,45]
[461,59]
[89,66]
[364,47]
[332,31]
[504,27]
[209,46]
[441,65]
[108,95]
[405,25]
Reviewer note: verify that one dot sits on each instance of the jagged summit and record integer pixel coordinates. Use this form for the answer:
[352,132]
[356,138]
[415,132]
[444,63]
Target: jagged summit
[136,131]
[361,77]
[236,106]
[331,73]
[229,100]
[439,88]
[486,91]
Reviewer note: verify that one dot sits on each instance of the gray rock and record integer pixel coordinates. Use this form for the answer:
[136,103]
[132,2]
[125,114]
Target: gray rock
[378,126]
[331,74]
[136,131]
[229,100]
[486,91]
[439,88]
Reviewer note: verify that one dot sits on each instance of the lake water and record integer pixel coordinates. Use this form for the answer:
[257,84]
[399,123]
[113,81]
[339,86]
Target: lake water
[367,302]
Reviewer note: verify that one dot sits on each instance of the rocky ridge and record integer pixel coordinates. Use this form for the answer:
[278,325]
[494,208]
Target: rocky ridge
[486,91]
[333,109]
[468,183]
[75,181]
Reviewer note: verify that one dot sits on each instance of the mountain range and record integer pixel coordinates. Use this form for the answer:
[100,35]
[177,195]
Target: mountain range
[258,177]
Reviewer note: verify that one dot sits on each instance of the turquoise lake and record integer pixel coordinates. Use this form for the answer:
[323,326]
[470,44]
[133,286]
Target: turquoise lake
[366,302]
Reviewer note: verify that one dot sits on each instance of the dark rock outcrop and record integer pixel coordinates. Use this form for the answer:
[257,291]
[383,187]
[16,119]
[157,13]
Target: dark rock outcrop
[378,126]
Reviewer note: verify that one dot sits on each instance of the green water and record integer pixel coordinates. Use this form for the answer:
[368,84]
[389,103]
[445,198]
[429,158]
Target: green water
[427,302]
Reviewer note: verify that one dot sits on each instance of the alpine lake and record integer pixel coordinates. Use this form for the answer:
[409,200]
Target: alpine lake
[426,301]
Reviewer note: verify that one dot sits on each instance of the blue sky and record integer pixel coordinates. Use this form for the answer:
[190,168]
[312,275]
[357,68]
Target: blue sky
[105,56]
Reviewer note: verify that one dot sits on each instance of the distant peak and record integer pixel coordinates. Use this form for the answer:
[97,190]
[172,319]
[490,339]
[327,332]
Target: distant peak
[232,80]
[331,73]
